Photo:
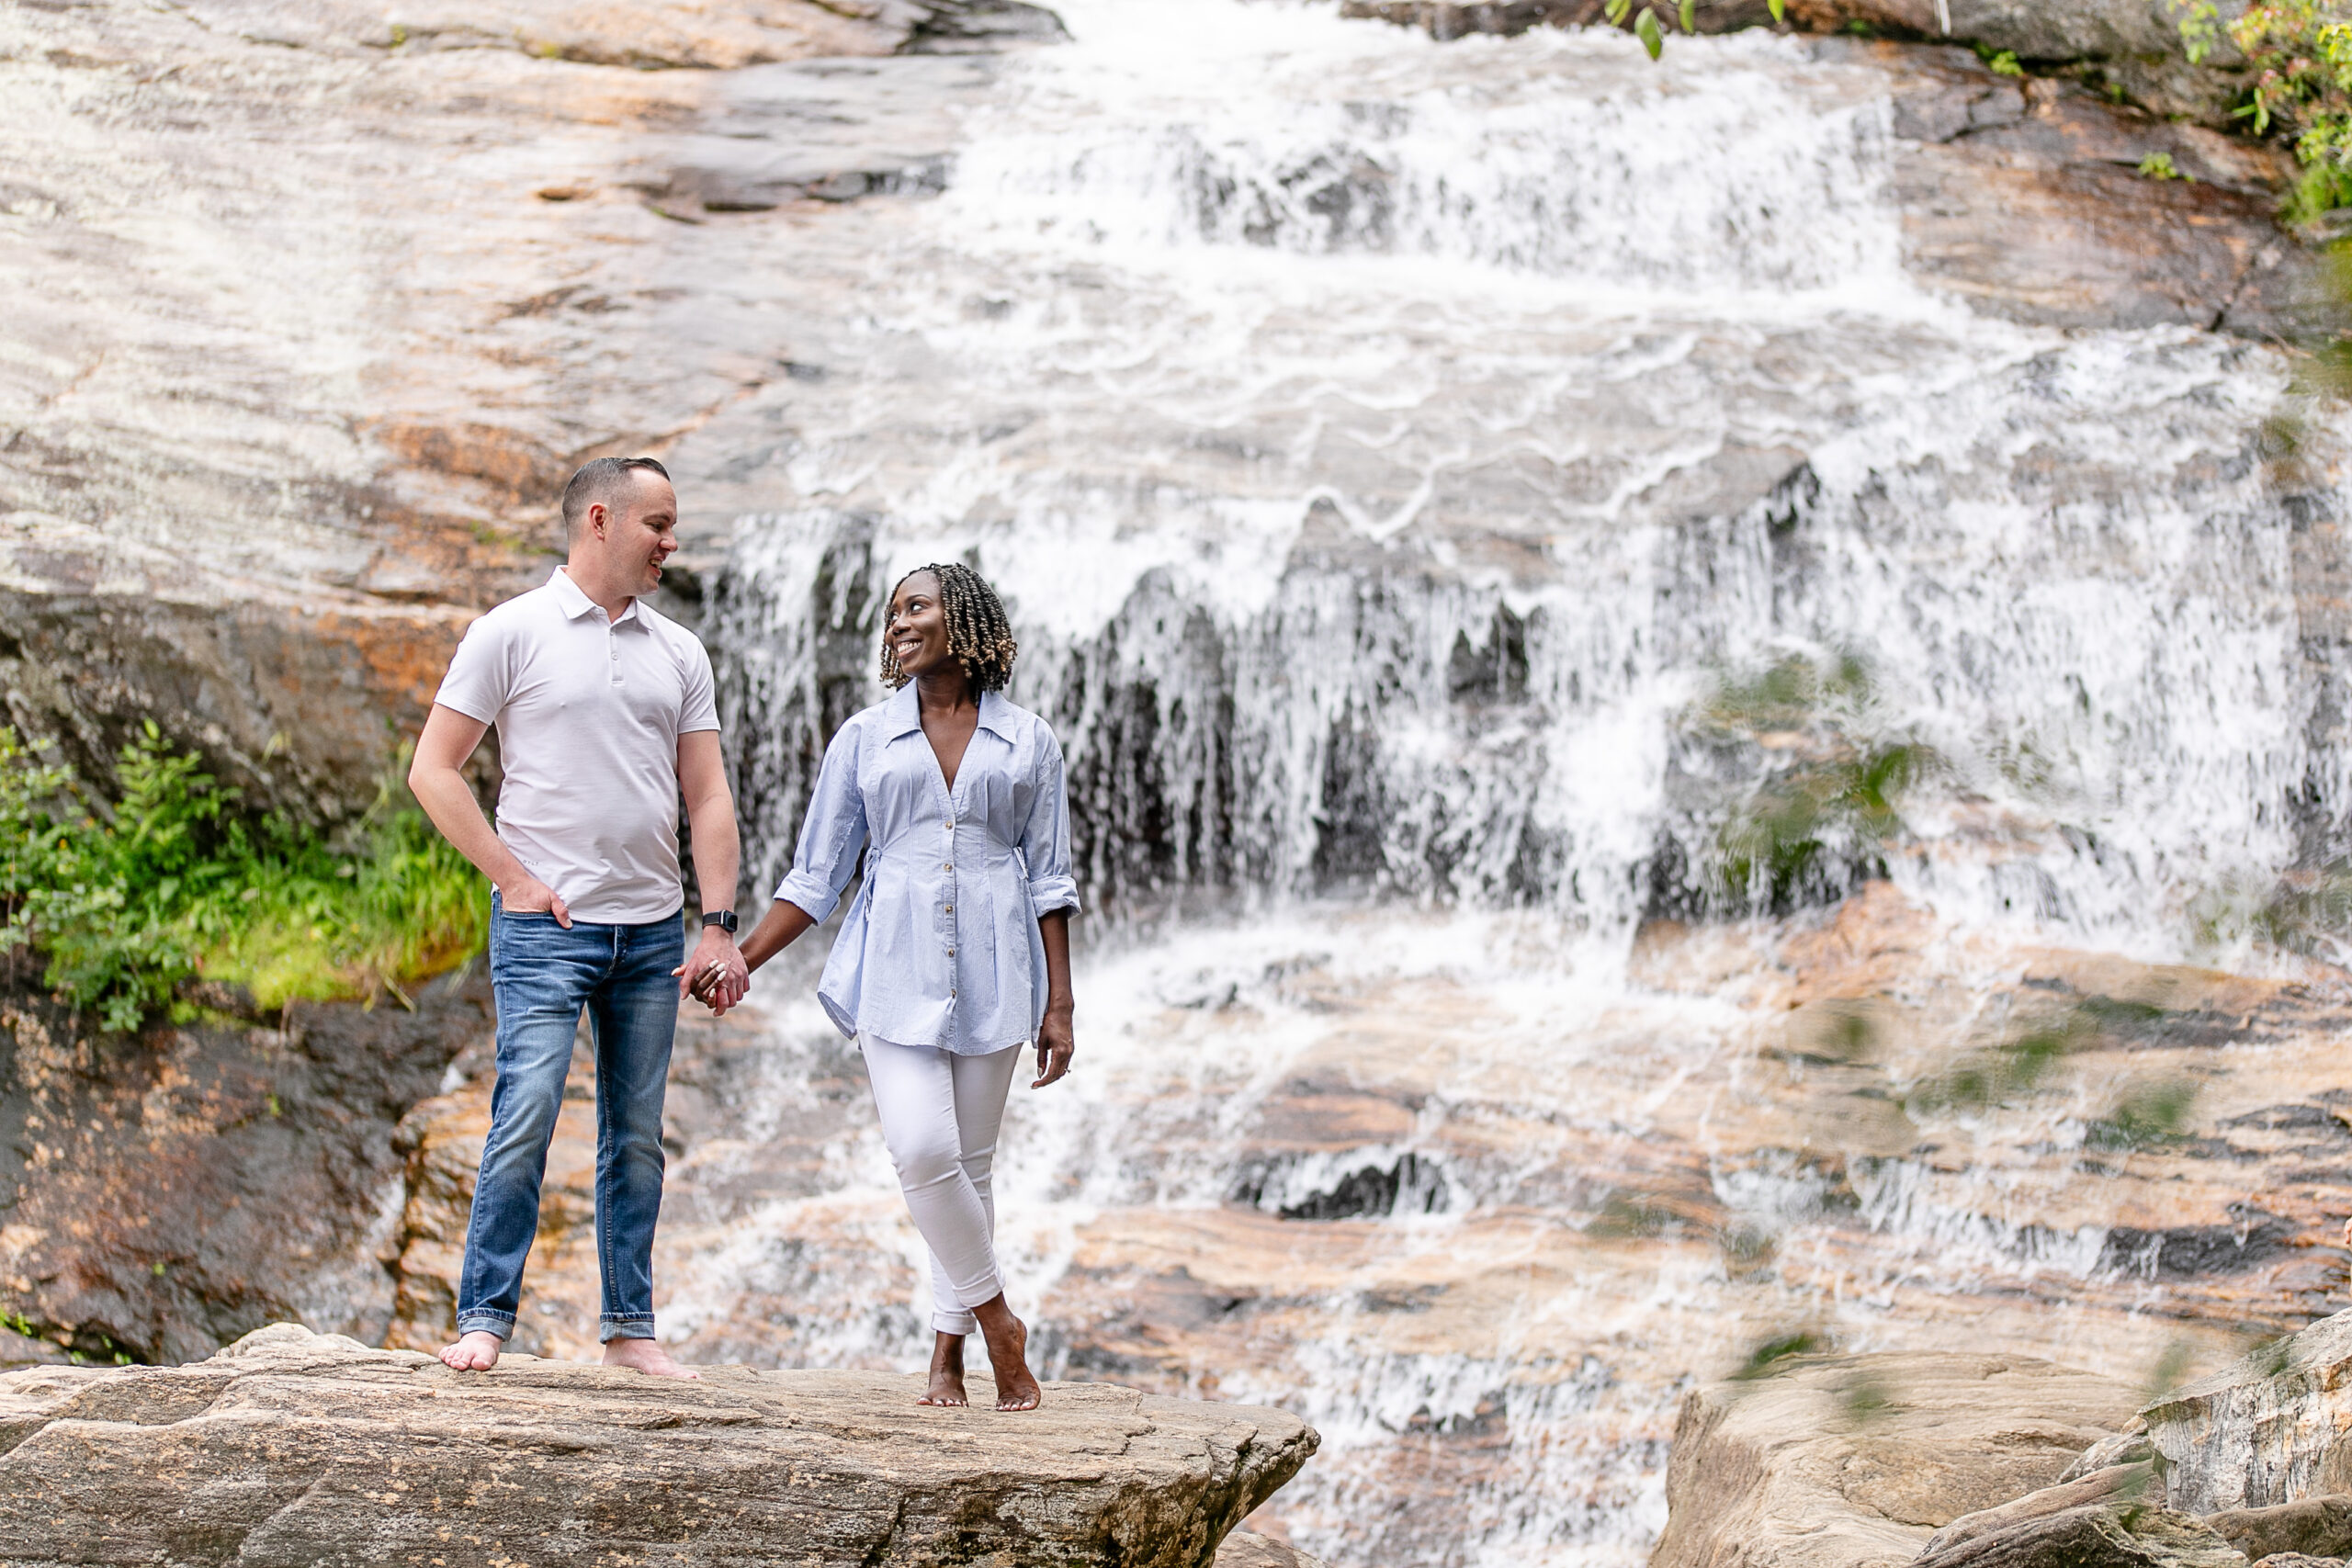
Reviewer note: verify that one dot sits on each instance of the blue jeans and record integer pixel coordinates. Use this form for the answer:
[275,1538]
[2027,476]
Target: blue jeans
[542,975]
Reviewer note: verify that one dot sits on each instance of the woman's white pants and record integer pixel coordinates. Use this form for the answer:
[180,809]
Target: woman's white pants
[940,1113]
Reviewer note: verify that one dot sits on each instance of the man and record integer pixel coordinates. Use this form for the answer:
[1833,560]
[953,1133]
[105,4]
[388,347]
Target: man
[605,718]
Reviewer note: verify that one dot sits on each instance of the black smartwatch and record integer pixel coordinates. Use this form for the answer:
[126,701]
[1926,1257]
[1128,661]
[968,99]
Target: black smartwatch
[724,919]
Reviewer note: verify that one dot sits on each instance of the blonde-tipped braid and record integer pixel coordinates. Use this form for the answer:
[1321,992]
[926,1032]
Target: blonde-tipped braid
[979,635]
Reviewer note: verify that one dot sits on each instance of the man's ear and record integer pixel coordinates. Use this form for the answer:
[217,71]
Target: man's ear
[597,515]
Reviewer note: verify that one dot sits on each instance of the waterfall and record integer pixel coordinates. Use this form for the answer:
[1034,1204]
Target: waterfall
[1392,453]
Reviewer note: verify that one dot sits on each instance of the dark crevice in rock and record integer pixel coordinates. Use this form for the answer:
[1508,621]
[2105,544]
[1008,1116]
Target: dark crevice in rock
[2188,1252]
[974,27]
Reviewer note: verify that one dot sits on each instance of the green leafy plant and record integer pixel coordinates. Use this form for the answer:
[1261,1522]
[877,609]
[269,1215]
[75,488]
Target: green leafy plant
[1651,30]
[2299,53]
[2158,166]
[173,883]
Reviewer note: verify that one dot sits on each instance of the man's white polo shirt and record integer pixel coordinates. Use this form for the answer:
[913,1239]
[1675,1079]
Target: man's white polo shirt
[588,711]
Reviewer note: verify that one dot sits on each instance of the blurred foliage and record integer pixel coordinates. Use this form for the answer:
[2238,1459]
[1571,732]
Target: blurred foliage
[2143,1112]
[171,882]
[1998,1074]
[1863,1397]
[1765,1359]
[2169,1369]
[2307,912]
[1830,789]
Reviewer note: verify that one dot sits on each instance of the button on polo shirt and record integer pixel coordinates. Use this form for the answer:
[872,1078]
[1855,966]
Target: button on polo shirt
[589,710]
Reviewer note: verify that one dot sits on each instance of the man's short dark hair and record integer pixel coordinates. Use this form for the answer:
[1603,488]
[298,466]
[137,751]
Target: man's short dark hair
[604,480]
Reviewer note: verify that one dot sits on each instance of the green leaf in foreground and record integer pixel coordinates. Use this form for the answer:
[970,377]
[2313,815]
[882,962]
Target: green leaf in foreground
[1780,9]
[1646,29]
[1690,17]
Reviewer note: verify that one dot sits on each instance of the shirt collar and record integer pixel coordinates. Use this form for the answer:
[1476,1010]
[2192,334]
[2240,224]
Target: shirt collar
[904,714]
[575,601]
[996,715]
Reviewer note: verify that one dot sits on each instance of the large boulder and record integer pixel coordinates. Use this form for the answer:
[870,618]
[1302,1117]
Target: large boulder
[2094,1535]
[1855,1461]
[291,1447]
[2107,1515]
[2266,1430]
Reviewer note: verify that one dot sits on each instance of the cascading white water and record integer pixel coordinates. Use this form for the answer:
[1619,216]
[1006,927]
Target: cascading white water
[1385,447]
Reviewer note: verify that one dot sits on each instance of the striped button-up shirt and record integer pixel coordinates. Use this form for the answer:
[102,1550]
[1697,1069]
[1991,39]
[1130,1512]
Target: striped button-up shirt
[940,946]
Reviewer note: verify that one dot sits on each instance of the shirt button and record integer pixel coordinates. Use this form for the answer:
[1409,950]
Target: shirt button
[950,909]
[951,952]
[947,866]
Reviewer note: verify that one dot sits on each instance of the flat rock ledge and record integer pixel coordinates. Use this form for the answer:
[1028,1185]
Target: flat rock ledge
[293,1447]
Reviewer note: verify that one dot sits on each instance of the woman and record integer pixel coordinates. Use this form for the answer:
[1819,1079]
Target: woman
[955,951]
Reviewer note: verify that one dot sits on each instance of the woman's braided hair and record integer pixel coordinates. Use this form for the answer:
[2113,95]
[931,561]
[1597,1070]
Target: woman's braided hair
[979,635]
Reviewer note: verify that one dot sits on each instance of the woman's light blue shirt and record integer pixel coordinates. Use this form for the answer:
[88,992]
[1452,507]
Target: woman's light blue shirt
[940,946]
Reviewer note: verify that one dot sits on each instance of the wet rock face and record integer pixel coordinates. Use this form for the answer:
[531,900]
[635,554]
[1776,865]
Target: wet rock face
[2025,199]
[163,1193]
[295,1446]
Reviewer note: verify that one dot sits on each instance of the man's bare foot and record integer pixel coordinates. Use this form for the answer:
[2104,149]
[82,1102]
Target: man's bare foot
[1008,1341]
[476,1351]
[645,1356]
[946,1372]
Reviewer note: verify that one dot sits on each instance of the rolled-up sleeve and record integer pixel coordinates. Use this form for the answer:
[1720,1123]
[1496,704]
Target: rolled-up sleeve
[834,832]
[1045,843]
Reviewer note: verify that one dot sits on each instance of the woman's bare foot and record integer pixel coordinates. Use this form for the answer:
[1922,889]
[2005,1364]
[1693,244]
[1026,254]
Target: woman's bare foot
[946,1372]
[474,1352]
[1008,1340]
[645,1356]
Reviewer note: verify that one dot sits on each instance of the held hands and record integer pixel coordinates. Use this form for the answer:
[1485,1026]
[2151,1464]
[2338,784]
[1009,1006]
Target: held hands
[716,976]
[1055,1044]
[532,897]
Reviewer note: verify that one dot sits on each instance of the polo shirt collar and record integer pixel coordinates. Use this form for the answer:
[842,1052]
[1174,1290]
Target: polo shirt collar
[903,713]
[575,601]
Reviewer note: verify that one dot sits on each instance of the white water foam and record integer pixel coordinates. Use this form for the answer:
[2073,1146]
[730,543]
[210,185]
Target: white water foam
[1382,446]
